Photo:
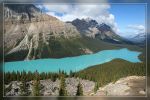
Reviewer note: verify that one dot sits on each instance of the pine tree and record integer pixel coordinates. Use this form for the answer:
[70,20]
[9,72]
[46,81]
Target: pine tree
[36,88]
[96,87]
[62,91]
[36,85]
[79,90]
[23,89]
[71,74]
[18,76]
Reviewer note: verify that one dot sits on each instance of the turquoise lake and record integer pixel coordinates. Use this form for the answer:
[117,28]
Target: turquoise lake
[72,63]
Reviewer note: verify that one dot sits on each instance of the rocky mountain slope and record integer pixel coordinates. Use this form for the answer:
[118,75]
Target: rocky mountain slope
[91,28]
[29,33]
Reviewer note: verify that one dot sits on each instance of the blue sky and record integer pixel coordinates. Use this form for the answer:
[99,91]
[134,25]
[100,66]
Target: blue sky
[128,14]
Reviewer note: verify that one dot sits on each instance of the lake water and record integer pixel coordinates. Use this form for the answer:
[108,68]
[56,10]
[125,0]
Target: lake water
[72,63]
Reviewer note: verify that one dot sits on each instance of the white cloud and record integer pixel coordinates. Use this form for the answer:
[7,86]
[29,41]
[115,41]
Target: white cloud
[132,30]
[136,28]
[70,12]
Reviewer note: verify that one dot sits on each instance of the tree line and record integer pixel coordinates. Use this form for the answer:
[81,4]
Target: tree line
[28,76]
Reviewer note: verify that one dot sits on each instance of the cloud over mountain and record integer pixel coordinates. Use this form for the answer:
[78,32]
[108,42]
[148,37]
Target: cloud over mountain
[69,12]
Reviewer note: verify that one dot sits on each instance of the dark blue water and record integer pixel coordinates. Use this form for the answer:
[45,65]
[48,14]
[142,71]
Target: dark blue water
[72,63]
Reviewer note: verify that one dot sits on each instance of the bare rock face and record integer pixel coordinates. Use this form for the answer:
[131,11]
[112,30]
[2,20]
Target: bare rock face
[89,27]
[13,89]
[52,88]
[72,83]
[28,31]
[128,86]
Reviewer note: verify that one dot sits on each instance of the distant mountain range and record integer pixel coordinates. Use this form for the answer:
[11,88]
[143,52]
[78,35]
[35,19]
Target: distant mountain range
[32,34]
[139,38]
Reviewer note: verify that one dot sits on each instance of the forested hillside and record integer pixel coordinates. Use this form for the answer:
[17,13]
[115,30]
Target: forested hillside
[112,71]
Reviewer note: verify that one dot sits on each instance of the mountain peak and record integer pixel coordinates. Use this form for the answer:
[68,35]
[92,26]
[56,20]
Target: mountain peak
[90,28]
[21,11]
[138,38]
[84,24]
[104,27]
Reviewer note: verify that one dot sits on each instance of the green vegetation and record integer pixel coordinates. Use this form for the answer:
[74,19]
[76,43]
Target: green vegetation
[79,90]
[28,76]
[36,85]
[24,89]
[112,71]
[36,88]
[96,87]
[63,47]
[62,90]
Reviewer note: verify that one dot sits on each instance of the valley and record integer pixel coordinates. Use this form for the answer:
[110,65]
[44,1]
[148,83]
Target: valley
[45,56]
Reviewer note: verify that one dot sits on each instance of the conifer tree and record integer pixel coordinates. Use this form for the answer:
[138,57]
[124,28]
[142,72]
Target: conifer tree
[62,90]
[36,85]
[79,90]
[96,87]
[23,88]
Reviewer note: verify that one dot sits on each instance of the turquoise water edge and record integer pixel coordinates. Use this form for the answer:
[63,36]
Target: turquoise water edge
[72,63]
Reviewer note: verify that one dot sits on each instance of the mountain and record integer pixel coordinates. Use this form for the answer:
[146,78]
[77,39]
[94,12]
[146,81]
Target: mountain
[30,33]
[90,28]
[33,34]
[139,38]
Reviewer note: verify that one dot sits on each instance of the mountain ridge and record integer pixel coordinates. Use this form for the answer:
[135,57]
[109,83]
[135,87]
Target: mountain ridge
[32,34]
[91,28]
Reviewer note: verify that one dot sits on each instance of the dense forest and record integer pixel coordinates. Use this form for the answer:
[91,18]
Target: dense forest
[112,71]
[28,76]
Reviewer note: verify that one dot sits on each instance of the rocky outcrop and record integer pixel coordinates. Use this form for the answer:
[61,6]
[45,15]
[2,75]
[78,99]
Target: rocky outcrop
[128,86]
[12,89]
[50,88]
